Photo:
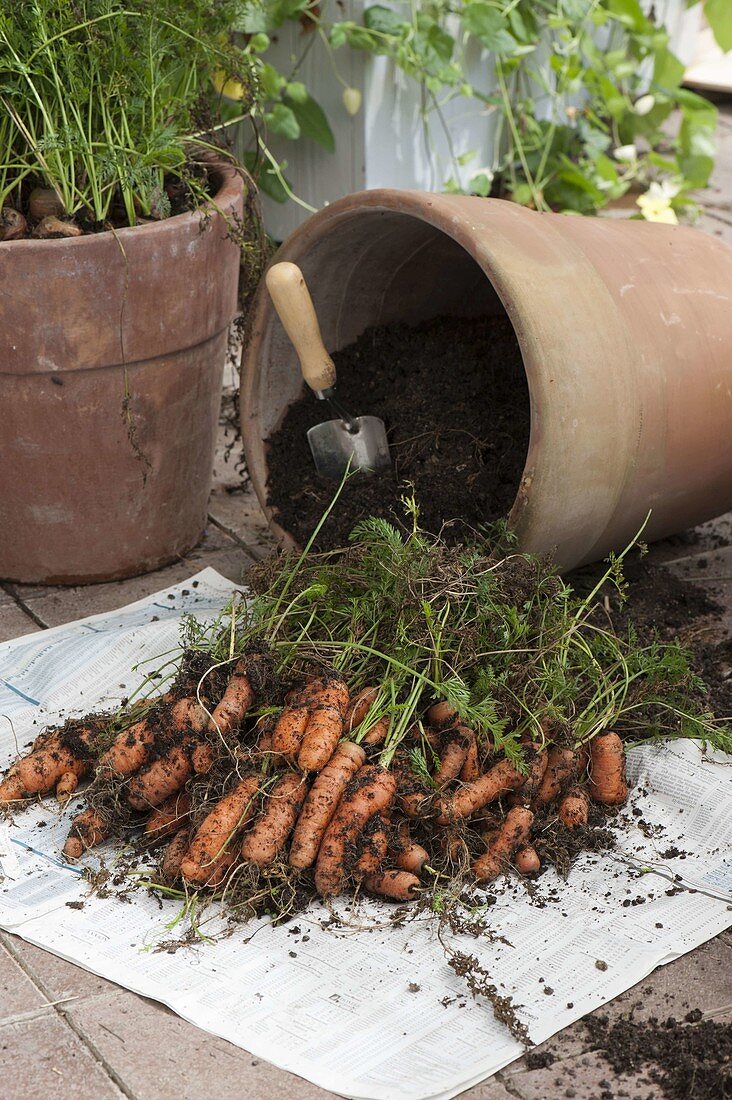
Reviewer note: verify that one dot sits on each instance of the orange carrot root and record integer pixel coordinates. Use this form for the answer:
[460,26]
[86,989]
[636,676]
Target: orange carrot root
[129,750]
[322,734]
[40,772]
[561,764]
[359,707]
[374,851]
[236,700]
[526,793]
[288,732]
[214,835]
[87,830]
[412,858]
[203,757]
[607,770]
[453,756]
[173,857]
[164,777]
[169,817]
[441,715]
[321,803]
[473,796]
[371,791]
[11,789]
[397,885]
[263,843]
[527,861]
[379,732]
[512,835]
[470,770]
[574,808]
[66,786]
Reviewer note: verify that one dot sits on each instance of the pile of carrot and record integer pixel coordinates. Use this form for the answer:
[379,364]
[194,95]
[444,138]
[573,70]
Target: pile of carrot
[306,789]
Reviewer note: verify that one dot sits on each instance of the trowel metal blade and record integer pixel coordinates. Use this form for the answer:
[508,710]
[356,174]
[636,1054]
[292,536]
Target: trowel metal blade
[335,449]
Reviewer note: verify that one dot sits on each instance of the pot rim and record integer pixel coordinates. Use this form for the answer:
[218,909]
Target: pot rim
[231,184]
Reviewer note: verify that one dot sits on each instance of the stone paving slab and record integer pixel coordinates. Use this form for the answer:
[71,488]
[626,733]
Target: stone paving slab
[57,979]
[43,1059]
[14,622]
[18,994]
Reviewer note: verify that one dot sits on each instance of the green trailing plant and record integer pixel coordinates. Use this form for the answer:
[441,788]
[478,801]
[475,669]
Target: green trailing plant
[583,92]
[101,101]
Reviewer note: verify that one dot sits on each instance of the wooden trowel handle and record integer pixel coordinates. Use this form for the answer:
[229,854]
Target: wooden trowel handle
[291,297]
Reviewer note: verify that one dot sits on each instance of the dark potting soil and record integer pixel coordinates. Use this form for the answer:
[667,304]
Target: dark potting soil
[453,395]
[688,1059]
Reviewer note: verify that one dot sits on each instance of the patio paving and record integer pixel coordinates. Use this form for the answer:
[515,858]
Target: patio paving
[66,1033]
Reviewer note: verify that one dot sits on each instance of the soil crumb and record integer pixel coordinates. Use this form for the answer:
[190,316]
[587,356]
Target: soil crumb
[688,1061]
[453,395]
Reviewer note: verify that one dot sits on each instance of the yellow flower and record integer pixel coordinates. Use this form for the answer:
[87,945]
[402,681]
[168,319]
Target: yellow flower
[655,204]
[229,89]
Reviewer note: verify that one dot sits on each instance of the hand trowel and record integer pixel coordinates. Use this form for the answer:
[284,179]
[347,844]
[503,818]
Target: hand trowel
[349,442]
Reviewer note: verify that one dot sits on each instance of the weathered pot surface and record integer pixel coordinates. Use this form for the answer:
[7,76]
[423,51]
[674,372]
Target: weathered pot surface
[112,349]
[625,330]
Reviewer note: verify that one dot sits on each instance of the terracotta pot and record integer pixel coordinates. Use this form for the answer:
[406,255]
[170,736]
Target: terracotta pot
[625,330]
[112,349]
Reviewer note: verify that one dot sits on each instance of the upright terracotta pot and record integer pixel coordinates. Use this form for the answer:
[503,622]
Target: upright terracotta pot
[625,330]
[112,349]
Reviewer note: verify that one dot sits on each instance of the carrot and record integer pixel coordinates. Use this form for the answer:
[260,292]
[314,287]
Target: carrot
[453,756]
[162,778]
[374,851]
[322,734]
[561,764]
[574,808]
[220,869]
[168,818]
[607,770]
[397,885]
[410,856]
[87,830]
[216,830]
[416,804]
[473,796]
[173,856]
[129,750]
[359,707]
[441,715]
[66,786]
[527,861]
[321,803]
[289,730]
[378,732]
[236,700]
[40,772]
[526,793]
[270,831]
[512,835]
[188,716]
[471,767]
[11,789]
[203,757]
[370,792]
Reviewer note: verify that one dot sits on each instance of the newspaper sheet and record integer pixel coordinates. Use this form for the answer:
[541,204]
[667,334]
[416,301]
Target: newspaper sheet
[361,1007]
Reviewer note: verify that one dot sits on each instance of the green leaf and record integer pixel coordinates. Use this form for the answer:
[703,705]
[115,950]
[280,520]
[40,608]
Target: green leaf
[630,14]
[383,20]
[281,120]
[668,71]
[265,177]
[719,17]
[489,26]
[311,119]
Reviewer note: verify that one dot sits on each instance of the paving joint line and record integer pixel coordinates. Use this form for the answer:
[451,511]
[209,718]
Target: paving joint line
[9,589]
[508,1085]
[86,1041]
[256,554]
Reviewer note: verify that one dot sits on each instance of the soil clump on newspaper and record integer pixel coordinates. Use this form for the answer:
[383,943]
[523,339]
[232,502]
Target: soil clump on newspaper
[453,395]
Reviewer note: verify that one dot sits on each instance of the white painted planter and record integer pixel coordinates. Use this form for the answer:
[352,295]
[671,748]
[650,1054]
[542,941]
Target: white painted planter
[391,142]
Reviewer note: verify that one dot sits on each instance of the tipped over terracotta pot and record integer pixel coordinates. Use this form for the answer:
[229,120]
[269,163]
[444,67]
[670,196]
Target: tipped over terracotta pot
[112,349]
[625,330]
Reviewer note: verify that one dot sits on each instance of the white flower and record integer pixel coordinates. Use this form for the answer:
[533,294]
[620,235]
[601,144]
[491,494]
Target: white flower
[352,100]
[626,153]
[644,105]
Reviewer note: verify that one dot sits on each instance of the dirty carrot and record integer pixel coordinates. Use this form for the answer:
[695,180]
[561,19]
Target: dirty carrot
[371,791]
[359,707]
[168,818]
[397,885]
[263,843]
[527,862]
[441,715]
[321,803]
[11,789]
[607,770]
[512,835]
[288,731]
[561,764]
[453,756]
[162,778]
[173,856]
[574,808]
[471,768]
[322,734]
[87,830]
[378,733]
[374,851]
[236,700]
[66,786]
[216,830]
[473,796]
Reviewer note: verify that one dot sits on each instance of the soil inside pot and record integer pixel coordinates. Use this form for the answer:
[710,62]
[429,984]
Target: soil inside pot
[453,395]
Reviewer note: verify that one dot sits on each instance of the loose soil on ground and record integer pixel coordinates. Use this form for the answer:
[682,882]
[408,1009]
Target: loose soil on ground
[453,395]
